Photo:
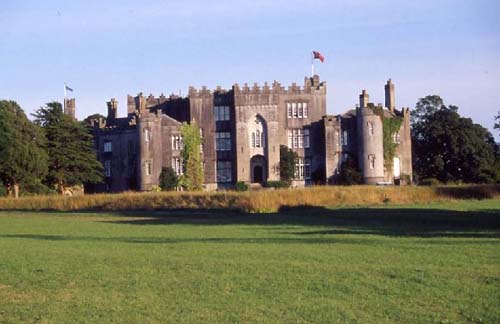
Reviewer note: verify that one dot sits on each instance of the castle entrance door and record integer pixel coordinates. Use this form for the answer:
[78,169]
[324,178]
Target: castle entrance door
[257,174]
[257,169]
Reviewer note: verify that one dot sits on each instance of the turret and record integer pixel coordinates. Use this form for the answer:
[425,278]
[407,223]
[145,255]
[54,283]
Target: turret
[112,109]
[370,142]
[390,101]
[69,107]
[363,99]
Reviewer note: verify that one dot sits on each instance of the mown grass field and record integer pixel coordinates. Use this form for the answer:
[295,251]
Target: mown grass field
[435,263]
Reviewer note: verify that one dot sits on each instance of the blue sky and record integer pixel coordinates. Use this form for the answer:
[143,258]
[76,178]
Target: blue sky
[107,49]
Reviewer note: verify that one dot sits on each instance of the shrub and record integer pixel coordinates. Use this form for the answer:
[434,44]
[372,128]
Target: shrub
[168,179]
[405,179]
[430,182]
[288,160]
[277,184]
[241,186]
[349,174]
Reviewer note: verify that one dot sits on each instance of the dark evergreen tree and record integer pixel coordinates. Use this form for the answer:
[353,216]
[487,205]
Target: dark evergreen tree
[72,158]
[452,148]
[288,160]
[23,160]
[168,179]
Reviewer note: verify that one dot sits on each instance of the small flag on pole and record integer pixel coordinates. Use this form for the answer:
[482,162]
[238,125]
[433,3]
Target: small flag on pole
[69,89]
[318,56]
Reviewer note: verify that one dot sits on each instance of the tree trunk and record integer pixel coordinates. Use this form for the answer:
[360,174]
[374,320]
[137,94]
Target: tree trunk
[61,188]
[16,191]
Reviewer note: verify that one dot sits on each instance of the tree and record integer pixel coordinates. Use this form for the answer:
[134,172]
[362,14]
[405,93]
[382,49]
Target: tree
[424,108]
[497,121]
[23,160]
[288,160]
[193,176]
[168,179]
[72,158]
[89,119]
[349,173]
[452,148]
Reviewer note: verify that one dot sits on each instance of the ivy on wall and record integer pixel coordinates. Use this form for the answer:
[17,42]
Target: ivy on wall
[390,127]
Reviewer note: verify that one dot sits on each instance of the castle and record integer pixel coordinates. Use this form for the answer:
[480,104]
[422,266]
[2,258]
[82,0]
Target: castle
[242,130]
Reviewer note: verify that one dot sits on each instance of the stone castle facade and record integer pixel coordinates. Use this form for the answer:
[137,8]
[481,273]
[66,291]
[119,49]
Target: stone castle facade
[242,129]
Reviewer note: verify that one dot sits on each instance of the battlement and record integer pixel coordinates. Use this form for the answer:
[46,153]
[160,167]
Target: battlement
[310,85]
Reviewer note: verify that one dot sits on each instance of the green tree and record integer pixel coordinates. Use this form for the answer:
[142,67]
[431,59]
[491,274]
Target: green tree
[168,179]
[452,148]
[23,161]
[193,176]
[349,173]
[72,158]
[288,161]
[89,119]
[497,122]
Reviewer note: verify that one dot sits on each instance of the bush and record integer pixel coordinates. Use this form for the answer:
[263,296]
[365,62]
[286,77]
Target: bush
[168,179]
[430,182]
[277,184]
[241,186]
[405,179]
[349,174]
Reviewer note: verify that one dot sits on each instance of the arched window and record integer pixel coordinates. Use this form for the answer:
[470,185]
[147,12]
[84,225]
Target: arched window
[370,128]
[257,138]
[371,160]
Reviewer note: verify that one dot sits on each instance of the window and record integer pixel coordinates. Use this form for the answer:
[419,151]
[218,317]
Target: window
[370,128]
[295,138]
[302,169]
[297,110]
[396,138]
[177,142]
[306,138]
[108,146]
[345,157]
[221,113]
[107,168]
[371,159]
[257,138]
[149,168]
[253,139]
[223,141]
[177,166]
[224,171]
[147,135]
[343,140]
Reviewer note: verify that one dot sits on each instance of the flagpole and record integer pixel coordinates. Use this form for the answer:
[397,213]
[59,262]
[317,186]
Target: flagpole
[64,100]
[312,65]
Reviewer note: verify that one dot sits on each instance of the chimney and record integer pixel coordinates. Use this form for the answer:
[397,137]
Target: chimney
[389,95]
[112,109]
[363,99]
[69,107]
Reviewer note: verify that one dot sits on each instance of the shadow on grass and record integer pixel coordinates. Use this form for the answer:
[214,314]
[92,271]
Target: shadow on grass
[357,221]
[330,225]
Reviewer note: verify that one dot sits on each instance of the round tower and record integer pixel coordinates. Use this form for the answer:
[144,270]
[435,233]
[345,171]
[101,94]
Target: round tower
[371,144]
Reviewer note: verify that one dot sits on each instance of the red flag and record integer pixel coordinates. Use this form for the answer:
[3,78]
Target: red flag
[318,56]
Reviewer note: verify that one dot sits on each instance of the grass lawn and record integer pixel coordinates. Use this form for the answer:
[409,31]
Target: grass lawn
[437,263]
